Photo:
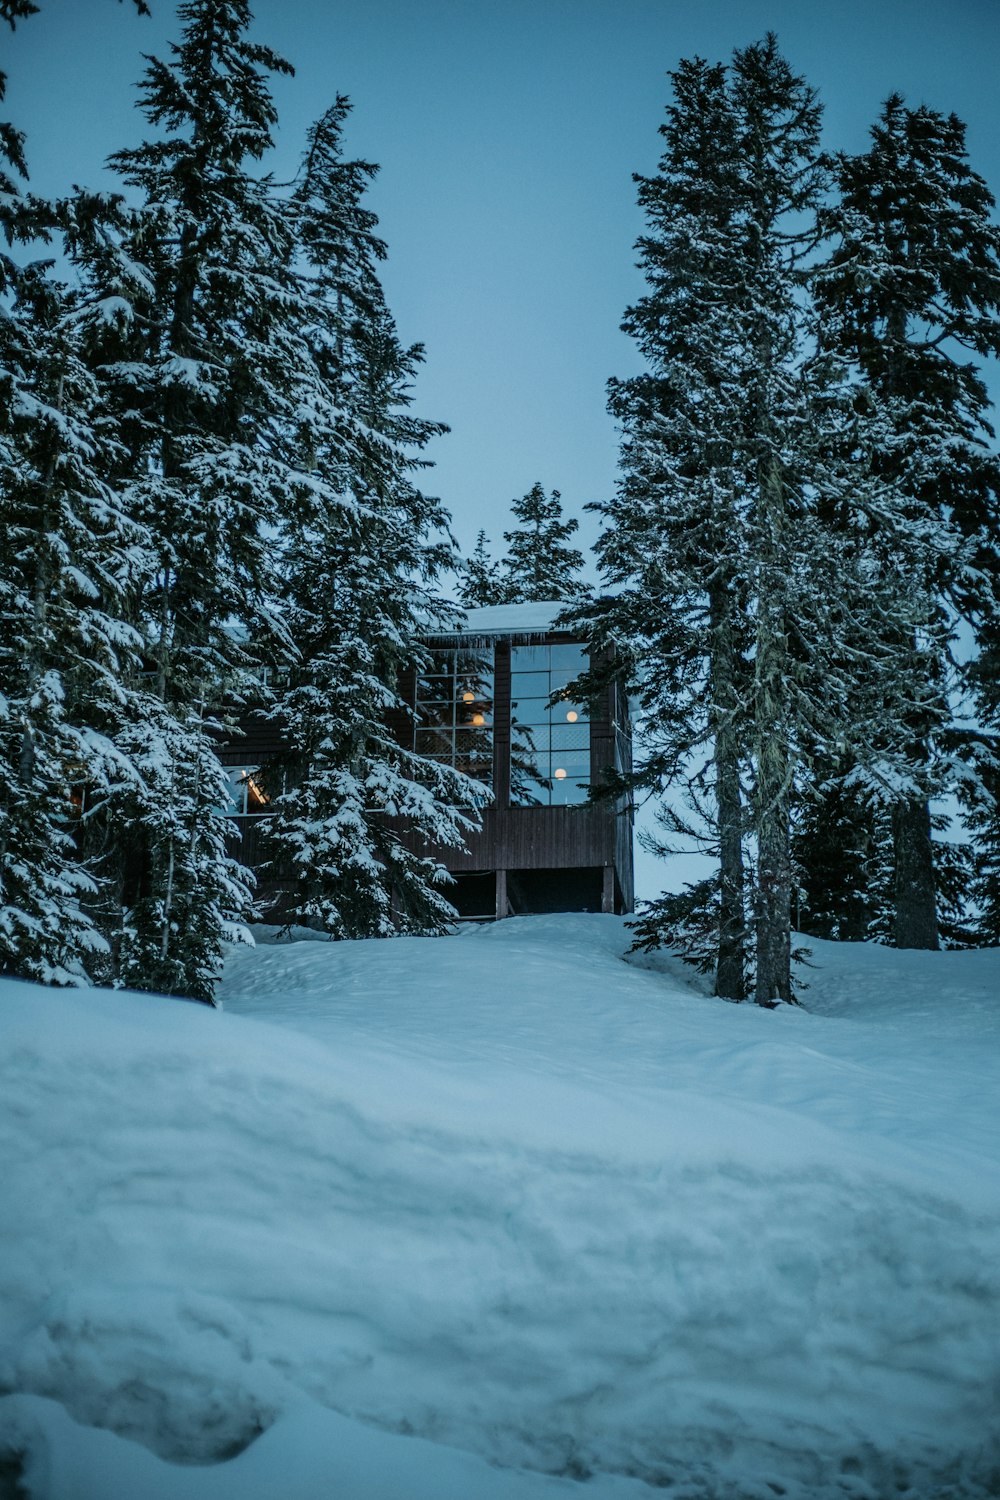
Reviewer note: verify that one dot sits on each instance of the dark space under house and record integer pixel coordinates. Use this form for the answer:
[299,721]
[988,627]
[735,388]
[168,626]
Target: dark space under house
[483,705]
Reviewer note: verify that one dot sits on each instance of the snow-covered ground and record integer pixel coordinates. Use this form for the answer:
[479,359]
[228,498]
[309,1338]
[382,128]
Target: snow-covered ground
[442,1219]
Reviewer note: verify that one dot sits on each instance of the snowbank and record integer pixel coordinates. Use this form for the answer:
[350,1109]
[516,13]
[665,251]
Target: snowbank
[505,1194]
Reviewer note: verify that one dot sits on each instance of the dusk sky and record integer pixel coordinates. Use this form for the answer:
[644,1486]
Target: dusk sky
[507,135]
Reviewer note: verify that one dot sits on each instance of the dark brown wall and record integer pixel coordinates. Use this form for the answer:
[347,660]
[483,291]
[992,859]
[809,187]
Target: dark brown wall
[531,838]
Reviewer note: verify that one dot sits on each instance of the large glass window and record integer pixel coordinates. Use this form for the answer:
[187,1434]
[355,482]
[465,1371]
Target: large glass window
[454,712]
[550,745]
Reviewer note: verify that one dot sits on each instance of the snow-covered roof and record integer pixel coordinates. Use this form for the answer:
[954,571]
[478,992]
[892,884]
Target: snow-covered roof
[536,618]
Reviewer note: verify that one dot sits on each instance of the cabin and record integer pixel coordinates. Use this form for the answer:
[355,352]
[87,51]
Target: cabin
[493,702]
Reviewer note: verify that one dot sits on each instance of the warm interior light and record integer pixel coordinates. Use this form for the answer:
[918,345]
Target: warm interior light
[560,774]
[468,697]
[256,795]
[572,715]
[478,719]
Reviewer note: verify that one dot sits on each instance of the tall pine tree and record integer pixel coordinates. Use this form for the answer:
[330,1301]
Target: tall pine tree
[673,531]
[70,561]
[539,564]
[911,288]
[206,377]
[480,577]
[760,623]
[359,562]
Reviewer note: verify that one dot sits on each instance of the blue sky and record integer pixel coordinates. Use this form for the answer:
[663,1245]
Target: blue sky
[507,134]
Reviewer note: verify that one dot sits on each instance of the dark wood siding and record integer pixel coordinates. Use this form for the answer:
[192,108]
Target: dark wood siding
[530,838]
[255,741]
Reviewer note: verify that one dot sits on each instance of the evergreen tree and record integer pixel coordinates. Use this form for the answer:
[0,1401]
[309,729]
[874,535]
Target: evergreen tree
[699,438]
[835,852]
[358,568]
[912,285]
[761,623]
[181,895]
[539,564]
[206,375]
[480,578]
[68,561]
[673,531]
[213,376]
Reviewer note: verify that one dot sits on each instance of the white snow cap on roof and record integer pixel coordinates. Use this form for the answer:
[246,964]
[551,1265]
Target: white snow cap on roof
[499,619]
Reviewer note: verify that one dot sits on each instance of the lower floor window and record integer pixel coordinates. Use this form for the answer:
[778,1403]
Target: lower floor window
[246,791]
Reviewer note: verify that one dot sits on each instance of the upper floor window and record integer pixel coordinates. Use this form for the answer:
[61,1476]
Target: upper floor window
[550,745]
[454,711]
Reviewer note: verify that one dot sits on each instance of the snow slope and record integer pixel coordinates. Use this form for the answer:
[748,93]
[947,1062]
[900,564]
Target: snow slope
[417,1208]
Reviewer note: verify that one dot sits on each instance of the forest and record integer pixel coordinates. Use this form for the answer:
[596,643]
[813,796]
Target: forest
[211,481]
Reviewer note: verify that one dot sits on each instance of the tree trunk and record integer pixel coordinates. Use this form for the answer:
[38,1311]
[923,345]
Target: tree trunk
[774,911]
[916,900]
[772,751]
[730,974]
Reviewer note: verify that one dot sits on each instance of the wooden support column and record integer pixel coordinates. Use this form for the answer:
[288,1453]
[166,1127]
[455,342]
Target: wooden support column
[608,889]
[501,894]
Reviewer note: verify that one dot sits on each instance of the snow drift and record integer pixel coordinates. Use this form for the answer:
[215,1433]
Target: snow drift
[504,1194]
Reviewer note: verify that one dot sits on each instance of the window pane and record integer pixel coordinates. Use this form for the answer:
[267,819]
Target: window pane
[474,663]
[476,683]
[435,689]
[434,742]
[257,797]
[479,768]
[567,793]
[570,737]
[478,741]
[474,716]
[529,659]
[237,779]
[527,790]
[576,763]
[559,681]
[530,711]
[569,710]
[569,659]
[529,685]
[440,663]
[435,715]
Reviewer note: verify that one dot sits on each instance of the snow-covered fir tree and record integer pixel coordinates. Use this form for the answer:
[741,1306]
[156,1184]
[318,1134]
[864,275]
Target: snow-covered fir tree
[760,625]
[206,378]
[672,537]
[539,564]
[480,577]
[358,564]
[909,291]
[67,565]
